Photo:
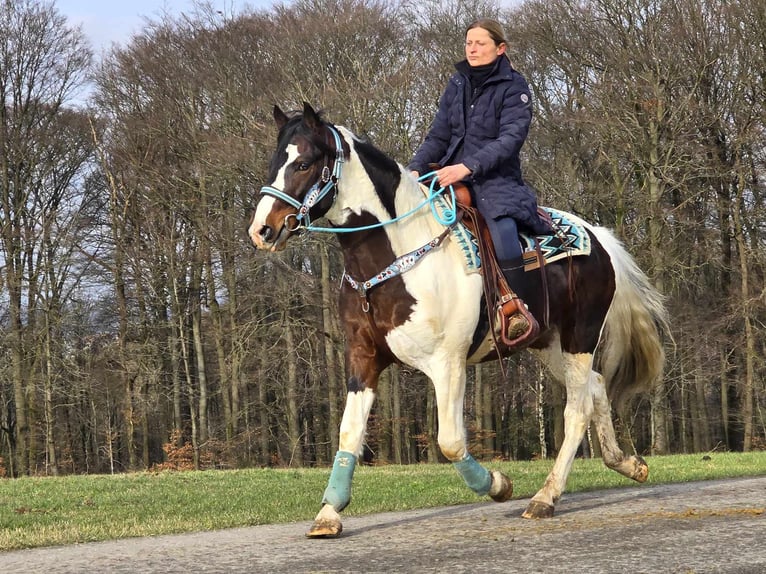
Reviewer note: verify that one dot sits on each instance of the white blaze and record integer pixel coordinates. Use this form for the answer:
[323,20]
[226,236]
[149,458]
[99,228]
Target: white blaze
[266,203]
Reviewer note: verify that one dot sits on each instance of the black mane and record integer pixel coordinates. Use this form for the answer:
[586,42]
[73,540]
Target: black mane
[382,171]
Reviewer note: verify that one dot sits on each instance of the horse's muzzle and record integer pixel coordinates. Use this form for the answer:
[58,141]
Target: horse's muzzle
[265,237]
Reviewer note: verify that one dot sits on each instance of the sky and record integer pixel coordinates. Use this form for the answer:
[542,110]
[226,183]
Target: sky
[106,22]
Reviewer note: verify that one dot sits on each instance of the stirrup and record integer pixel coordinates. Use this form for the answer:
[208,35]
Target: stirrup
[517,328]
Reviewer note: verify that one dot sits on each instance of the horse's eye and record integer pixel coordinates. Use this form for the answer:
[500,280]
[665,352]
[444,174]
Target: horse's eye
[303,166]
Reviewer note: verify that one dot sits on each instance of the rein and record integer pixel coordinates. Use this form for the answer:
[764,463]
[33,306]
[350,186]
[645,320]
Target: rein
[448,218]
[316,194]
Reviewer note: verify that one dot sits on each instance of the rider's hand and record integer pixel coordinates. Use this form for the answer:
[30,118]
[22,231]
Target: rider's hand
[452,174]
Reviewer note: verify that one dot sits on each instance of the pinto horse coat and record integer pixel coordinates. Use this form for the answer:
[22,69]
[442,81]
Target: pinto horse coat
[429,312]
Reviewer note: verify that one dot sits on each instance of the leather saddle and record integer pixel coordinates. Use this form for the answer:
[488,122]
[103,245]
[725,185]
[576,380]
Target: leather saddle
[497,292]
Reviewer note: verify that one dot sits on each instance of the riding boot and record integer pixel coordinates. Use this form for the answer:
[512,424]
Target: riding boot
[521,324]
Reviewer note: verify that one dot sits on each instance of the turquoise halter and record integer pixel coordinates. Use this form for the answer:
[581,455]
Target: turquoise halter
[316,193]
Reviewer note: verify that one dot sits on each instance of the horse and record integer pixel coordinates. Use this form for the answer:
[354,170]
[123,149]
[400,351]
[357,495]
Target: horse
[409,296]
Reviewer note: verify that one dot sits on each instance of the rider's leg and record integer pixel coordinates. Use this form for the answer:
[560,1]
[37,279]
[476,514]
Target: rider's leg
[505,237]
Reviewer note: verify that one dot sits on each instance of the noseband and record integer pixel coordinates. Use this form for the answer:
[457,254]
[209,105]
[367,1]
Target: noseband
[316,193]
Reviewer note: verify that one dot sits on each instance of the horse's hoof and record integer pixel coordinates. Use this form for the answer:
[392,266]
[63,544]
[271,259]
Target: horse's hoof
[501,488]
[325,529]
[538,510]
[641,471]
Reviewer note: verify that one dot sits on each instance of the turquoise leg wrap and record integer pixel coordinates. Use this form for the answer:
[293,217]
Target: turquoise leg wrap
[476,476]
[338,491]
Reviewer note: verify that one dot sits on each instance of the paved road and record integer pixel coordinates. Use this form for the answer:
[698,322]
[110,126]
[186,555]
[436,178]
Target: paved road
[693,528]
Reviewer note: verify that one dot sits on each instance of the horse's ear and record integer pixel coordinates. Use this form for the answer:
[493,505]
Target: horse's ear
[310,117]
[280,117]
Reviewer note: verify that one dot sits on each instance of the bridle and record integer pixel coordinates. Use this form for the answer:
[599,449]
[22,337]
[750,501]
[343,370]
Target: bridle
[328,182]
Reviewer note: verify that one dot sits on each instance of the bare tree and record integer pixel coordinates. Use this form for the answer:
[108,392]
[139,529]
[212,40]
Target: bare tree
[43,64]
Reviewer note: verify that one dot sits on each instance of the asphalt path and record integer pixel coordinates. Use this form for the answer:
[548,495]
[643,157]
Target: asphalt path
[691,528]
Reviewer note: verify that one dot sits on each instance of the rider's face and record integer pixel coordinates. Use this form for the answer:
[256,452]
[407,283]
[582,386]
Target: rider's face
[480,48]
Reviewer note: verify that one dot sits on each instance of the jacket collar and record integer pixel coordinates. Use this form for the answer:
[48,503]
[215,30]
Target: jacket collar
[503,69]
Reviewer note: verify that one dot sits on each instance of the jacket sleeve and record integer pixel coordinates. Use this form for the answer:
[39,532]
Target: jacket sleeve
[515,117]
[437,140]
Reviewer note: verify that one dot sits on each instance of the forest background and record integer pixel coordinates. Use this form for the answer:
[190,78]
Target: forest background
[140,330]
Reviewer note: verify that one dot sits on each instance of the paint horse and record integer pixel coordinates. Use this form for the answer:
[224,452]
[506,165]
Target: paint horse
[409,296]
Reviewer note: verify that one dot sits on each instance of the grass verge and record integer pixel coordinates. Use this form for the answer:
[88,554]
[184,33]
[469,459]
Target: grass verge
[54,511]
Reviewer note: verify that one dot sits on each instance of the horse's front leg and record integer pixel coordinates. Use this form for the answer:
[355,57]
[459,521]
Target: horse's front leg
[337,495]
[450,393]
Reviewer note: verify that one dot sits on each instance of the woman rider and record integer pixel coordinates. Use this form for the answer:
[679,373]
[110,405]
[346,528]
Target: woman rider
[477,134]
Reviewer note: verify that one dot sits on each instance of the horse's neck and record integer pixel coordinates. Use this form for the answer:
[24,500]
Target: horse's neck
[384,252]
[358,193]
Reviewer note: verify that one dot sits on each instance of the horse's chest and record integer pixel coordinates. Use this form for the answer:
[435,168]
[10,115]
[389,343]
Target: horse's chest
[419,315]
[438,323]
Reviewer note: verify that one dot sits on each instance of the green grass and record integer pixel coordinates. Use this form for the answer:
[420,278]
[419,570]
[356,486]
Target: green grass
[52,511]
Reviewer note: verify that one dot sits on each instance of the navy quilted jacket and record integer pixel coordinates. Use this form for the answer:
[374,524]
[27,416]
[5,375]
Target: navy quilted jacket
[485,131]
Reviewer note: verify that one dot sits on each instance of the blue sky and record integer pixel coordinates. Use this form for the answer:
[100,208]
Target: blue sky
[114,21]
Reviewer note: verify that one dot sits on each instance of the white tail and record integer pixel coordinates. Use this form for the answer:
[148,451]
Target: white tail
[632,354]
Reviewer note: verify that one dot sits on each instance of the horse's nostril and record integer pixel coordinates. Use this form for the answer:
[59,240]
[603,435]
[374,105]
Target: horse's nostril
[266,232]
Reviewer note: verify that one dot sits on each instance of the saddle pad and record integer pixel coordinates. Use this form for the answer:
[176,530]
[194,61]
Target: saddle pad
[570,239]
[469,247]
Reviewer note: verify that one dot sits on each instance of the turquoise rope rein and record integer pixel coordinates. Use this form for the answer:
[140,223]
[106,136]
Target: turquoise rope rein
[448,218]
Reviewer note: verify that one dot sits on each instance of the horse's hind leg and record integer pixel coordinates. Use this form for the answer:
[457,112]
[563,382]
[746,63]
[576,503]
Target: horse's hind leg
[575,371]
[632,466]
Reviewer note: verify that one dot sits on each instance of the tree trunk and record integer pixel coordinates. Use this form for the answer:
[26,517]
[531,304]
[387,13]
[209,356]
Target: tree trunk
[175,377]
[331,335]
[145,432]
[684,416]
[540,400]
[224,365]
[50,422]
[20,442]
[432,426]
[483,411]
[291,391]
[129,414]
[384,407]
[747,314]
[702,426]
[396,413]
[659,422]
[229,278]
[189,383]
[263,420]
[655,222]
[724,378]
[199,352]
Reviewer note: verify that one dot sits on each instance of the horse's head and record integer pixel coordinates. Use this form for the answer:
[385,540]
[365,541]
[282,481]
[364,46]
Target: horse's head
[302,175]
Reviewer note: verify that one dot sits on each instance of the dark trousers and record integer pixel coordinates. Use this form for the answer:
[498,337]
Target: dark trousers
[505,236]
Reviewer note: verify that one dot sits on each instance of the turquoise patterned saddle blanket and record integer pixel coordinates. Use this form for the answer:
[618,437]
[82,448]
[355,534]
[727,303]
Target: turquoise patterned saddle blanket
[569,239]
